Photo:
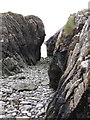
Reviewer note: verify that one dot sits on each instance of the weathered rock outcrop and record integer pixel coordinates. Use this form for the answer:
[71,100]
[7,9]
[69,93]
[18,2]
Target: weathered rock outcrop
[65,43]
[79,20]
[50,43]
[72,98]
[21,40]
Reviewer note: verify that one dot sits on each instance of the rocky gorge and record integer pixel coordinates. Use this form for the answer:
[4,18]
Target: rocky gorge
[52,88]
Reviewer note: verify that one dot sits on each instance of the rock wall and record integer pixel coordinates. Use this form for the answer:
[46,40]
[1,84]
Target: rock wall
[71,78]
[21,40]
[64,46]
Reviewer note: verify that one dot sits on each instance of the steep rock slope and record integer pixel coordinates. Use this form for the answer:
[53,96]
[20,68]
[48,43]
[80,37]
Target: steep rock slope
[72,98]
[65,44]
[21,40]
[78,19]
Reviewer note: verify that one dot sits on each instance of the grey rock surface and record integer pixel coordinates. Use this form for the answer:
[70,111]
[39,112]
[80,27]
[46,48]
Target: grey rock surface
[21,39]
[50,43]
[65,44]
[26,95]
[72,98]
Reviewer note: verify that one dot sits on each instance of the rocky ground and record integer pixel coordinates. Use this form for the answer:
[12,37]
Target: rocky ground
[26,95]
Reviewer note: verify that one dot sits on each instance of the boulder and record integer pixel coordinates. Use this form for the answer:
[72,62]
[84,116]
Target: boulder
[10,66]
[21,38]
[72,97]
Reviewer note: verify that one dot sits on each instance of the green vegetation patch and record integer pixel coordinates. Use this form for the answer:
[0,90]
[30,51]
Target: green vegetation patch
[70,26]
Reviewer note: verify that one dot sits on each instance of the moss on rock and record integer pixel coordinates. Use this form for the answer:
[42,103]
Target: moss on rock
[70,26]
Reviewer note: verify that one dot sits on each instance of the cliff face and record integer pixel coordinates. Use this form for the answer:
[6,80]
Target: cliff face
[64,46]
[21,40]
[69,71]
[75,20]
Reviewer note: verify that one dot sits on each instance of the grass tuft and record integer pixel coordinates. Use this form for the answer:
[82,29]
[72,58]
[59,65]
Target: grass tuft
[70,26]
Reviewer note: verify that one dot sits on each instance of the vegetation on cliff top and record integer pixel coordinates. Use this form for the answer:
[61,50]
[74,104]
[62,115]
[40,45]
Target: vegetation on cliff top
[70,25]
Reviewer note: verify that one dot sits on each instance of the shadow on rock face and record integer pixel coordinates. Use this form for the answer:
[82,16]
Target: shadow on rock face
[57,68]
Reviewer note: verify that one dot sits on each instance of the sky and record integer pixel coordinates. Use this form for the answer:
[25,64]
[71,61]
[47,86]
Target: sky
[54,13]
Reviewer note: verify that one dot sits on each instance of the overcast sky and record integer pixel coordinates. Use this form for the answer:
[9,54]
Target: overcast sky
[54,13]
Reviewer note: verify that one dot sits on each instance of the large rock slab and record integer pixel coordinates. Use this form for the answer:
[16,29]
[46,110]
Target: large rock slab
[72,98]
[21,38]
